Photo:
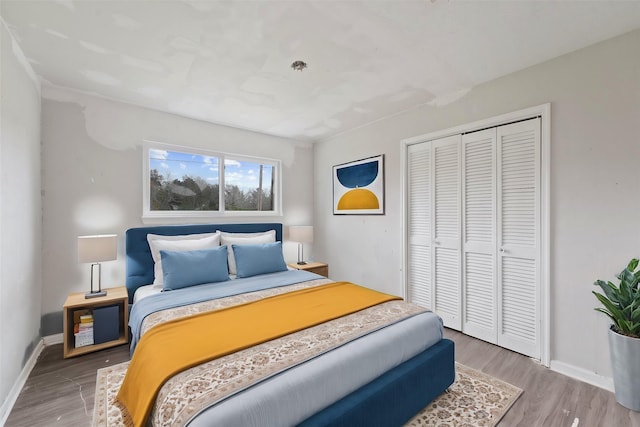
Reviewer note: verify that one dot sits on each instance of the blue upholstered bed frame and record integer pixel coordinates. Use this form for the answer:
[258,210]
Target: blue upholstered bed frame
[139,262]
[388,401]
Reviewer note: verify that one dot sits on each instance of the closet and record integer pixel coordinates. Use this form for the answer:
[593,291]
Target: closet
[473,210]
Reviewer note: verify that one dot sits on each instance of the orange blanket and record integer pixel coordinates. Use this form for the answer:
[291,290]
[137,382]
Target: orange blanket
[181,344]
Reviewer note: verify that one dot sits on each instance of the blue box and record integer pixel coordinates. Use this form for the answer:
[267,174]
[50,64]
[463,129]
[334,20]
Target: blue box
[106,325]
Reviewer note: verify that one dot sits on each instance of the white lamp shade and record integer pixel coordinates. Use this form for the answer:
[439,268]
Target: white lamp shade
[99,248]
[301,233]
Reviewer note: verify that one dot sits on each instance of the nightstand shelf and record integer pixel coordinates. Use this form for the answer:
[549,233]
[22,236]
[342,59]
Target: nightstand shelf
[320,268]
[76,303]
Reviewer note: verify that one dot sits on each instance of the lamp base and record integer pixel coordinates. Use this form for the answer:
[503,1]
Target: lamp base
[302,262]
[95,294]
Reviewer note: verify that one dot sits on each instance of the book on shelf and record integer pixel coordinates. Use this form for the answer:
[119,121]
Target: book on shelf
[82,315]
[84,338]
[83,328]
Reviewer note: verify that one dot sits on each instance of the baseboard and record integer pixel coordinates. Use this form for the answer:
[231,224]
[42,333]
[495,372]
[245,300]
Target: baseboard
[582,375]
[7,406]
[53,339]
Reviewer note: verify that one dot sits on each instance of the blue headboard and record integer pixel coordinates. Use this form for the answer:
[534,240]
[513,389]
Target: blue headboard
[139,263]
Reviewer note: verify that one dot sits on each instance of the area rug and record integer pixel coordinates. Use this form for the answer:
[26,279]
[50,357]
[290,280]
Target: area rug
[475,399]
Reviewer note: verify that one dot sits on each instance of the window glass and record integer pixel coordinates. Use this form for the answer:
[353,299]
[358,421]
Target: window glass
[248,186]
[183,182]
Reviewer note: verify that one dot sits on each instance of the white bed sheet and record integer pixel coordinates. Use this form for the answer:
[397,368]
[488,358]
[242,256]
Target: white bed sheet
[145,291]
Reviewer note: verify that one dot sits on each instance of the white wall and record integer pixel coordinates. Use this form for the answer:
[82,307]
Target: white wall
[20,215]
[595,176]
[92,181]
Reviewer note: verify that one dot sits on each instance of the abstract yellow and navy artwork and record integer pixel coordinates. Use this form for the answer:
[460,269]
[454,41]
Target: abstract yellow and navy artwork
[358,187]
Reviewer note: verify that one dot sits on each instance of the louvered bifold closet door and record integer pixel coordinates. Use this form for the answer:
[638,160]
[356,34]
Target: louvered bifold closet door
[519,237]
[446,230]
[420,285]
[480,312]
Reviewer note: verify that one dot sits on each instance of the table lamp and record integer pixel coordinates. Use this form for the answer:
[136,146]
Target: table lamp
[96,249]
[301,234]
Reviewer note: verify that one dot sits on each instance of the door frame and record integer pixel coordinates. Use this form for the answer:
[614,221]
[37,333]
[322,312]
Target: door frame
[544,112]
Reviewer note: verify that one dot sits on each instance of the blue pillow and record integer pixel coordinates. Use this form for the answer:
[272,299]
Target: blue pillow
[252,260]
[181,269]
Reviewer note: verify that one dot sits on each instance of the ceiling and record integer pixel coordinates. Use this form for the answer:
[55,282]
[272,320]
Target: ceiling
[229,62]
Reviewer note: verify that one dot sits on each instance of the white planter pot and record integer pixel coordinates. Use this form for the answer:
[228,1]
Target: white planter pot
[625,363]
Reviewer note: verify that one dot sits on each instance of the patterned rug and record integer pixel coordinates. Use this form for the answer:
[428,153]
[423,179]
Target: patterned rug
[474,400]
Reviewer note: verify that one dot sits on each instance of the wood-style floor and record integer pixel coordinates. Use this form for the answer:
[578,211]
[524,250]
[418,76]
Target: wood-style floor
[60,391]
[549,399]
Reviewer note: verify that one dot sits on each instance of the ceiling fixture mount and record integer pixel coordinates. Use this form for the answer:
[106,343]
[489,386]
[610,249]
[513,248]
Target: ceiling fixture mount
[299,65]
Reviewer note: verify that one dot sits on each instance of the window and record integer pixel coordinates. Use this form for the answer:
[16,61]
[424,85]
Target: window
[183,182]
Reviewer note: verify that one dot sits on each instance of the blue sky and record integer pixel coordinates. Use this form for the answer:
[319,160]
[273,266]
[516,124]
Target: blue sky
[241,173]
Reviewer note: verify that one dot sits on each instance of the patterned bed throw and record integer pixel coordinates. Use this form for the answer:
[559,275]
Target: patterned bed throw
[177,345]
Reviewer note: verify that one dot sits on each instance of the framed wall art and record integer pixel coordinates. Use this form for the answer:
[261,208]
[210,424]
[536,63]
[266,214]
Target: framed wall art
[358,187]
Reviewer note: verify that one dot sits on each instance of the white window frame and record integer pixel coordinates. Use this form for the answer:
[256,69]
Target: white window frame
[147,213]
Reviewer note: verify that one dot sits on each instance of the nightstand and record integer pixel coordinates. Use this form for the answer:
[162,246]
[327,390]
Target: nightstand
[320,268]
[110,315]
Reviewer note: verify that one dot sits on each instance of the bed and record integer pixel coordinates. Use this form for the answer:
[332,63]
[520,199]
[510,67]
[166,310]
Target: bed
[377,366]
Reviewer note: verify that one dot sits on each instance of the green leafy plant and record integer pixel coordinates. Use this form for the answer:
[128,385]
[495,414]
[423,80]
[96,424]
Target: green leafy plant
[622,302]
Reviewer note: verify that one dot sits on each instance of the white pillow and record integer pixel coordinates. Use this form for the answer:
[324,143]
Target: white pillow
[188,242]
[199,236]
[244,239]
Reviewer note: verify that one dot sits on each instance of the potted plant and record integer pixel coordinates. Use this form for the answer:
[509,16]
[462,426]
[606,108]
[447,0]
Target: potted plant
[622,304]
